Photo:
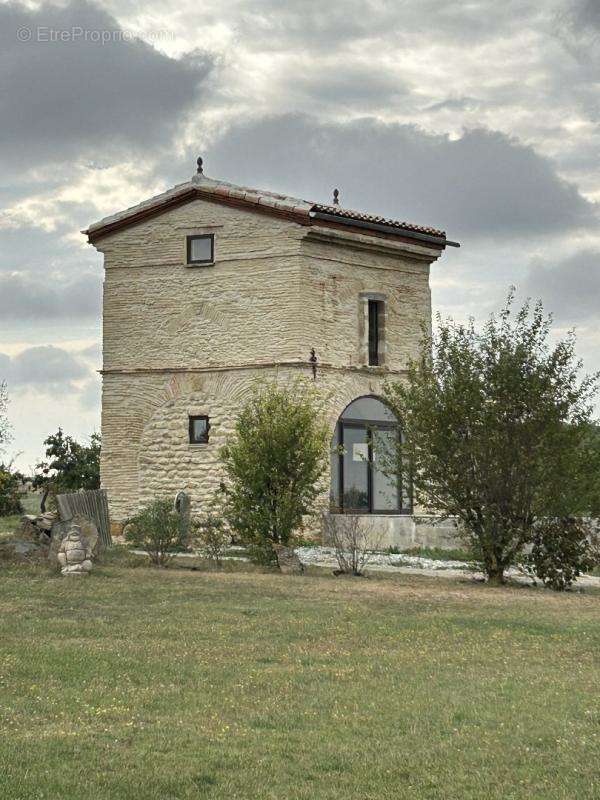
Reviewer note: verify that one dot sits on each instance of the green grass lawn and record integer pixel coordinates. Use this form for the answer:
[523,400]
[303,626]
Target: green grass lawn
[147,684]
[9,525]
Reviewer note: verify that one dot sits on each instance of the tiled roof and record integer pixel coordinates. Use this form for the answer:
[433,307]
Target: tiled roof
[346,213]
[290,206]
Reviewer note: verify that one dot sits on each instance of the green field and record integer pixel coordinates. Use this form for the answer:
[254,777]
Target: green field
[139,683]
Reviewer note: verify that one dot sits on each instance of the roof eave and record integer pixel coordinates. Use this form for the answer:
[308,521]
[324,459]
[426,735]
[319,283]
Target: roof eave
[235,199]
[394,230]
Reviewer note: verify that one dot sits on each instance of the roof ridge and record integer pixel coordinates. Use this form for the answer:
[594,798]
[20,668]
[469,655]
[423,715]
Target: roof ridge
[282,203]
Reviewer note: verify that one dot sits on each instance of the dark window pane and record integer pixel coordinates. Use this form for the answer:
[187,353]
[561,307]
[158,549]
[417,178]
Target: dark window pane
[373,333]
[356,469]
[198,430]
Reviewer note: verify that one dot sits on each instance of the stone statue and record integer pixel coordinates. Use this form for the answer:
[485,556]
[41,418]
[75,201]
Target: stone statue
[74,554]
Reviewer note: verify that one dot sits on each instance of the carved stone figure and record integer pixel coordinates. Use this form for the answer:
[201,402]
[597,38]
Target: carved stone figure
[75,554]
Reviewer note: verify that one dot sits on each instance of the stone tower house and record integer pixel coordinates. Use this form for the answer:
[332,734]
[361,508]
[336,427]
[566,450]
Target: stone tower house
[211,286]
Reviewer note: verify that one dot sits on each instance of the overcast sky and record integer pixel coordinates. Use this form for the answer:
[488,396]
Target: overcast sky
[478,117]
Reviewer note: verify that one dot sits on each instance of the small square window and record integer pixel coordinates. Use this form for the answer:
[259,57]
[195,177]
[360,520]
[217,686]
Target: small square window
[199,427]
[201,249]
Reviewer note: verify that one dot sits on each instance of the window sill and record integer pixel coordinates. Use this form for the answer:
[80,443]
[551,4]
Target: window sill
[376,367]
[197,445]
[199,264]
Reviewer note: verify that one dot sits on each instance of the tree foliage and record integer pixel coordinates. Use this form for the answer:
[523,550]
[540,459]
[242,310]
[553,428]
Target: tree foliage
[10,491]
[273,463]
[496,428]
[69,465]
[562,549]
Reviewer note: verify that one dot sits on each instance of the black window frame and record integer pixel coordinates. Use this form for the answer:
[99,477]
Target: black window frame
[374,332]
[194,418]
[405,503]
[194,237]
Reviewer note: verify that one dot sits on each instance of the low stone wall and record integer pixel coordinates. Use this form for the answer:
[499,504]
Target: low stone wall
[405,531]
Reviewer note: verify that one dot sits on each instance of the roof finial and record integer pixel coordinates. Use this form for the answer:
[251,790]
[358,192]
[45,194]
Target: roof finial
[336,197]
[199,162]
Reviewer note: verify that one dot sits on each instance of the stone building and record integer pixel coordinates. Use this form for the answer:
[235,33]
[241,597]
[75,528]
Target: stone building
[211,286]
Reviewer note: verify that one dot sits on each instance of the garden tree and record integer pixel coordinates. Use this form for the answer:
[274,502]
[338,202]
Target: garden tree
[10,490]
[69,465]
[10,481]
[496,424]
[273,463]
[591,454]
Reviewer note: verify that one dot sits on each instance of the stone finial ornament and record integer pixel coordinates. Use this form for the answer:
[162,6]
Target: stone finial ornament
[74,555]
[336,197]
[200,162]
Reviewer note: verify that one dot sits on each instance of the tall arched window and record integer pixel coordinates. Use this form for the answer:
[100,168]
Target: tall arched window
[366,428]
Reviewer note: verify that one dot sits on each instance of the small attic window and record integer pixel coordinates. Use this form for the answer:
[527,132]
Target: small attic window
[201,249]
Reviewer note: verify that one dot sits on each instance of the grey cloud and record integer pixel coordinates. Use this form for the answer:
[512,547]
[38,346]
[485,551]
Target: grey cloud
[89,399]
[25,297]
[4,367]
[92,353]
[349,86]
[569,288]
[456,104]
[312,24]
[45,368]
[72,98]
[585,14]
[481,184]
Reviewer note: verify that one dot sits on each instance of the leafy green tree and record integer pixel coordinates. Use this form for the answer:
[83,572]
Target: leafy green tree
[10,480]
[10,491]
[495,425]
[273,463]
[590,496]
[69,465]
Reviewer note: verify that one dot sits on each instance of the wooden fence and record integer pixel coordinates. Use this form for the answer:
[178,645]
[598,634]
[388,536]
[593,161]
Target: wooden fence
[93,504]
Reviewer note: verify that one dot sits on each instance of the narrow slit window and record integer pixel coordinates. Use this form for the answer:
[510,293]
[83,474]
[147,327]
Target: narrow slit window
[374,332]
[199,427]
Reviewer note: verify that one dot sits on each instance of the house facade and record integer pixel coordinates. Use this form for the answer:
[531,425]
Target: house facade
[210,287]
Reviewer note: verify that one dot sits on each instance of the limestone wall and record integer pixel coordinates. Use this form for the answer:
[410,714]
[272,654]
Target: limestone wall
[160,313]
[145,449]
[182,341]
[337,279]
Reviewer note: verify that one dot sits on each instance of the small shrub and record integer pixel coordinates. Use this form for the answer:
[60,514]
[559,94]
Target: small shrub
[211,536]
[563,549]
[353,540]
[156,529]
